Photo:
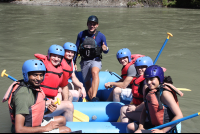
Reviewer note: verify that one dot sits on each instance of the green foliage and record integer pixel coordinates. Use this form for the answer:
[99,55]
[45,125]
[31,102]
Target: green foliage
[131,3]
[169,3]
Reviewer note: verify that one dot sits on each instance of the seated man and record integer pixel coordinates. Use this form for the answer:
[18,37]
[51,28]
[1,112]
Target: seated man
[76,88]
[123,87]
[27,103]
[53,79]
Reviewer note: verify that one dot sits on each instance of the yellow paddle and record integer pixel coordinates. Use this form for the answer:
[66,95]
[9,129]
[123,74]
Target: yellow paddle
[4,73]
[184,89]
[58,101]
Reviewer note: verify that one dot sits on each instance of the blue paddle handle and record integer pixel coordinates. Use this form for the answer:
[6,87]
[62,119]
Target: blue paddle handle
[160,51]
[176,121]
[12,78]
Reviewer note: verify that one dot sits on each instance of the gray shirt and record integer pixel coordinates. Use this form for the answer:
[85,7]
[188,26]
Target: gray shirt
[131,71]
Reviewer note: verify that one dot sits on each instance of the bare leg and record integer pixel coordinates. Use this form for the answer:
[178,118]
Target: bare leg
[116,94]
[75,95]
[130,128]
[70,96]
[87,86]
[92,92]
[110,98]
[126,115]
[66,108]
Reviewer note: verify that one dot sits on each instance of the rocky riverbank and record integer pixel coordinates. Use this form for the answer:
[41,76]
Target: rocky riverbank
[93,3]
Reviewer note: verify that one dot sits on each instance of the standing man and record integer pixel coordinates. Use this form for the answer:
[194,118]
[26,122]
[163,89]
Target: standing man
[90,44]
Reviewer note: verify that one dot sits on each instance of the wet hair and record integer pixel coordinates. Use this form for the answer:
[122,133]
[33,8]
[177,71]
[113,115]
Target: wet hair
[168,79]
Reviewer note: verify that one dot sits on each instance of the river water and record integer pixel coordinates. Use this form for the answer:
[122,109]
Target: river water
[26,30]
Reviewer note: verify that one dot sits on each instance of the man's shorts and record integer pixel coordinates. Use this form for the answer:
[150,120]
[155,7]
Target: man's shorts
[45,121]
[86,68]
[126,94]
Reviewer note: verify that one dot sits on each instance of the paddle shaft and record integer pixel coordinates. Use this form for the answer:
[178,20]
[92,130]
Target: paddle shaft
[160,51]
[176,121]
[12,78]
[169,34]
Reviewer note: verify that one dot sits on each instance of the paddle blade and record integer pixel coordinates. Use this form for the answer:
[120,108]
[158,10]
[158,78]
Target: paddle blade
[85,100]
[80,117]
[184,89]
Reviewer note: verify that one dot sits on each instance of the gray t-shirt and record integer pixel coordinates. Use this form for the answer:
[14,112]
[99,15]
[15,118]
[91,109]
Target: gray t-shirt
[131,71]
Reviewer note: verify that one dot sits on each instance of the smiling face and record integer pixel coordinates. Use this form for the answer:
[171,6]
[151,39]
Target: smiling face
[36,78]
[152,82]
[141,69]
[69,55]
[92,26]
[123,61]
[55,59]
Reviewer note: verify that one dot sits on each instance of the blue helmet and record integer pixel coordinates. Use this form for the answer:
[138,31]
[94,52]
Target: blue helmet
[32,65]
[70,46]
[155,71]
[144,61]
[56,49]
[124,52]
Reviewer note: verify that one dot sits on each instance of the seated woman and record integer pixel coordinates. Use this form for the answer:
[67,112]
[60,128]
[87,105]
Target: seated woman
[132,111]
[161,104]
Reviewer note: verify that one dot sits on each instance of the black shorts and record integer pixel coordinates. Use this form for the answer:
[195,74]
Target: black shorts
[147,125]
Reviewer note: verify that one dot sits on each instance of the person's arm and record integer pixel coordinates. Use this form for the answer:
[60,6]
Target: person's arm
[104,45]
[176,90]
[168,99]
[123,84]
[78,84]
[20,128]
[65,93]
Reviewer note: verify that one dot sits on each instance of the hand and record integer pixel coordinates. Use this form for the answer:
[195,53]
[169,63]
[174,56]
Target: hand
[51,125]
[131,108]
[104,47]
[48,102]
[75,66]
[107,85]
[83,92]
[156,131]
[52,107]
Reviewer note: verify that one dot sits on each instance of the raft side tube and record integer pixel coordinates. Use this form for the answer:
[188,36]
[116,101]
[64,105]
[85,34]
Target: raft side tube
[98,127]
[100,111]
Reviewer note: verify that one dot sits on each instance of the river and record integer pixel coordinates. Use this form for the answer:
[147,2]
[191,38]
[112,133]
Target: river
[26,30]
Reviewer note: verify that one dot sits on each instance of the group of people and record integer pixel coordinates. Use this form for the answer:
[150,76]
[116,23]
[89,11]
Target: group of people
[32,100]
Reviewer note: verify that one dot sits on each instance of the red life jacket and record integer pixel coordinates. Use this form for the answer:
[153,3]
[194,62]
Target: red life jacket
[125,68]
[53,77]
[137,90]
[158,113]
[36,111]
[67,72]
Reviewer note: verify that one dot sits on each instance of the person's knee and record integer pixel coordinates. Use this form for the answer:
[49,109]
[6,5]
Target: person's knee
[117,90]
[123,109]
[95,72]
[130,128]
[69,105]
[62,120]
